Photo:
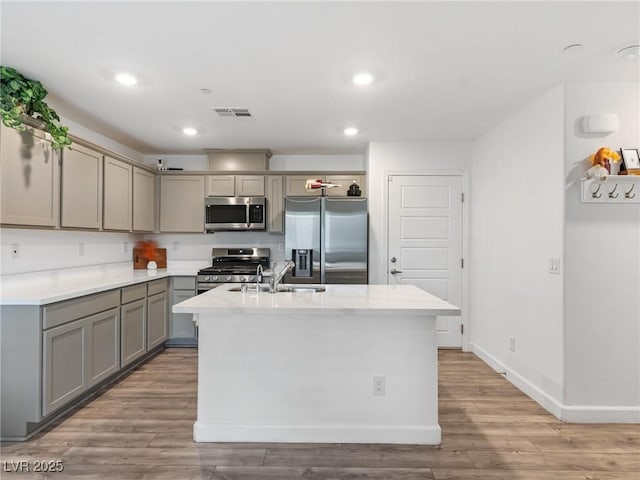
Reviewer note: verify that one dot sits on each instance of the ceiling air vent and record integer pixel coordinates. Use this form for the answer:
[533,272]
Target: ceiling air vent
[233,112]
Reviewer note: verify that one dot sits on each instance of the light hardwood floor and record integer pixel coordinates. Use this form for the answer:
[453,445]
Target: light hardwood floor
[141,428]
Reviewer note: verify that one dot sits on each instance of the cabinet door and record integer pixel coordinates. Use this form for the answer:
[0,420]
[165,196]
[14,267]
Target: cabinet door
[275,204]
[117,195]
[221,186]
[133,330]
[29,177]
[182,323]
[81,189]
[182,203]
[345,182]
[250,185]
[143,200]
[103,349]
[295,185]
[64,362]
[156,320]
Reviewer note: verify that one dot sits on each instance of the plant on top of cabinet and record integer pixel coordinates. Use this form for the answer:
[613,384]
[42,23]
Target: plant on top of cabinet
[22,96]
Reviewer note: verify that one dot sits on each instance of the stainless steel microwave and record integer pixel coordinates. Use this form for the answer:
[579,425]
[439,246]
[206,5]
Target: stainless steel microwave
[234,213]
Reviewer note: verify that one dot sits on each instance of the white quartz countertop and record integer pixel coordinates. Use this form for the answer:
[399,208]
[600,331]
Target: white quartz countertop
[347,299]
[41,288]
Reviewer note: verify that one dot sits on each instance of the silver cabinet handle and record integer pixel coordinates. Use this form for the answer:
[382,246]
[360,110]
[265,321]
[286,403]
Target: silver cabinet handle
[394,271]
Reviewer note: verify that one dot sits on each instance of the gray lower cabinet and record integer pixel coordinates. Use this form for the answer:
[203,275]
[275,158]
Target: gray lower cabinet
[65,360]
[182,331]
[78,355]
[156,320]
[104,345]
[133,335]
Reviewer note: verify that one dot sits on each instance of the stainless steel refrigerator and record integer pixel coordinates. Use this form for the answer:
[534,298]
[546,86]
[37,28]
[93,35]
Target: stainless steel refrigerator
[327,239]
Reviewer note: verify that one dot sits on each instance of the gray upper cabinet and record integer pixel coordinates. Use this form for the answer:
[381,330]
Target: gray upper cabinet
[118,180]
[221,186]
[250,185]
[295,185]
[275,203]
[143,200]
[29,177]
[81,188]
[182,203]
[345,181]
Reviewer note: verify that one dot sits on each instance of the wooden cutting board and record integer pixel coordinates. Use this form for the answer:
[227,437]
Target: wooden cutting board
[140,263]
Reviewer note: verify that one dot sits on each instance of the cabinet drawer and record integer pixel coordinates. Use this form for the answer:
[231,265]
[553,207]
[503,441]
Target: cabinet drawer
[134,292]
[63,312]
[157,286]
[184,283]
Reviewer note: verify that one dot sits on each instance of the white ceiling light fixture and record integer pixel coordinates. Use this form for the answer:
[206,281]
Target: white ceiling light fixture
[630,52]
[350,131]
[363,79]
[126,79]
[190,131]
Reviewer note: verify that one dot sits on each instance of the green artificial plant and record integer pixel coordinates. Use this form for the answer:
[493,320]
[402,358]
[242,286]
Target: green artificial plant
[22,96]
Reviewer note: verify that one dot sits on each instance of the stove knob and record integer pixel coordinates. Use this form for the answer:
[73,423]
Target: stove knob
[214,278]
[207,278]
[250,278]
[228,278]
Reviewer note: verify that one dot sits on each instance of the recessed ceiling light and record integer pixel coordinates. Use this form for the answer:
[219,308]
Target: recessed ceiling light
[632,51]
[126,79]
[363,78]
[350,131]
[189,131]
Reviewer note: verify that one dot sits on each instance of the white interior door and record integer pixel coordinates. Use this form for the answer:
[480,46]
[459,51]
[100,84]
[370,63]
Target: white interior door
[425,241]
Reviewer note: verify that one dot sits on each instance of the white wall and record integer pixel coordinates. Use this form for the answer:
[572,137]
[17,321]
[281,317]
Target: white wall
[321,163]
[602,294]
[277,162]
[516,226]
[417,157]
[197,246]
[51,249]
[99,139]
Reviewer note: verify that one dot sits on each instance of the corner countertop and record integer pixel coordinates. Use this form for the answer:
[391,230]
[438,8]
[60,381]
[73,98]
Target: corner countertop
[337,299]
[41,288]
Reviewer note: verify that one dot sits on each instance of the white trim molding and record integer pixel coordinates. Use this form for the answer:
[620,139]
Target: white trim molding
[566,413]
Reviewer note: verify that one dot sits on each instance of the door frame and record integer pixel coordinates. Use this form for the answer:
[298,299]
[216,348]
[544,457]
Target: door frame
[464,318]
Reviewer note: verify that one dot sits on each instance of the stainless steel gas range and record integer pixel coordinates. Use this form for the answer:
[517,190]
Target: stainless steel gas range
[232,265]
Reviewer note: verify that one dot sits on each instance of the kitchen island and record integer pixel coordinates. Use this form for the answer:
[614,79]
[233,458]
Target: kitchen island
[351,364]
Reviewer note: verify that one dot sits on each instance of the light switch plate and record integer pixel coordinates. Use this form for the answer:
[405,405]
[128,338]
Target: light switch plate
[554,265]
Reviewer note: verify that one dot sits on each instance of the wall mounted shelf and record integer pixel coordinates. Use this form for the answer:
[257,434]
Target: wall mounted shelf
[611,189]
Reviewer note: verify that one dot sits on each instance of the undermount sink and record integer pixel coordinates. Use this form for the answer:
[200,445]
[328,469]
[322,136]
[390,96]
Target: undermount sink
[284,289]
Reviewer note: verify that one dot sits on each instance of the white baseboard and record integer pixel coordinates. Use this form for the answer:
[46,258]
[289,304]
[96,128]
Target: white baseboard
[216,432]
[567,413]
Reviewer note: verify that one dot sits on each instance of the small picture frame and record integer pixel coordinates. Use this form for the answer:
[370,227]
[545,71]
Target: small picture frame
[630,158]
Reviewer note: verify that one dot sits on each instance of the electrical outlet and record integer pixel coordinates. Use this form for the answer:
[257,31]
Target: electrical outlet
[15,251]
[126,247]
[81,249]
[512,344]
[281,247]
[175,245]
[554,265]
[379,386]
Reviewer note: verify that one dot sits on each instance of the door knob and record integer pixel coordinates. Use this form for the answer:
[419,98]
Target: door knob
[394,271]
[393,260]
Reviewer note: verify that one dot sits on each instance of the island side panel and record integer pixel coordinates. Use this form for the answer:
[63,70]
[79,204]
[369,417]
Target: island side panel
[309,378]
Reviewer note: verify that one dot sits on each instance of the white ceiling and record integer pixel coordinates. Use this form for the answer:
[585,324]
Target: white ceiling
[447,70]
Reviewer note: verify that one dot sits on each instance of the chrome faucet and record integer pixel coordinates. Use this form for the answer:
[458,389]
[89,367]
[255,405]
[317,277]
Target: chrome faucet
[259,274]
[275,277]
